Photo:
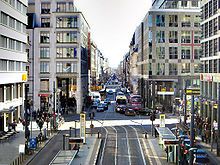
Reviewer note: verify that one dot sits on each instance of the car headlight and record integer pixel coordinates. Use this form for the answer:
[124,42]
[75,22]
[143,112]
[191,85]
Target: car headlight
[118,109]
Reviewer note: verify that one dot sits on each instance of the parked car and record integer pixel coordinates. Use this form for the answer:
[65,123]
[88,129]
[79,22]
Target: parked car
[110,92]
[100,108]
[107,101]
[105,106]
[129,112]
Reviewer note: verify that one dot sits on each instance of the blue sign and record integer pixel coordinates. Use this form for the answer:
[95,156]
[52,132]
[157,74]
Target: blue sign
[33,143]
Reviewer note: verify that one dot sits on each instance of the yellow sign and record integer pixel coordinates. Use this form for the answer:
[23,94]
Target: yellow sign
[24,77]
[83,126]
[163,90]
[215,106]
[162,120]
[193,91]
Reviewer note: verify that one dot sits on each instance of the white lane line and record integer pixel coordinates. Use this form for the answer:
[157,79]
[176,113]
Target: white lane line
[147,152]
[116,144]
[142,153]
[129,154]
[154,153]
[106,135]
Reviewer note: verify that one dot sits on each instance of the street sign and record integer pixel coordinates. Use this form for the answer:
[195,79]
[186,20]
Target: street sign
[193,91]
[83,126]
[162,120]
[33,143]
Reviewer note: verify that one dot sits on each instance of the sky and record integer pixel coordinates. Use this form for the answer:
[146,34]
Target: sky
[113,23]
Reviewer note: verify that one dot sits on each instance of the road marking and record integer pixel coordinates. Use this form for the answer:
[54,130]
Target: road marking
[116,145]
[106,135]
[147,152]
[142,153]
[129,154]
[154,152]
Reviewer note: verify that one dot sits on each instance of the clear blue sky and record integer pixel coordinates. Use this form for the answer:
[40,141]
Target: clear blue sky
[113,23]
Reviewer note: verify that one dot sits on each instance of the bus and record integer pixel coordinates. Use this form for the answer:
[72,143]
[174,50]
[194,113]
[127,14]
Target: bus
[135,102]
[121,104]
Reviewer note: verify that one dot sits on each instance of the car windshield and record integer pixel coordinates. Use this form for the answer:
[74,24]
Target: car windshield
[136,100]
[121,101]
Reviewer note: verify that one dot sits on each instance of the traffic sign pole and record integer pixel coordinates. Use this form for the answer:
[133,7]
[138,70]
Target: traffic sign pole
[192,130]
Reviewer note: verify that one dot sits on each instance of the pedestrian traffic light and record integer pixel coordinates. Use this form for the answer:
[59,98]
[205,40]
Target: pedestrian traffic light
[152,117]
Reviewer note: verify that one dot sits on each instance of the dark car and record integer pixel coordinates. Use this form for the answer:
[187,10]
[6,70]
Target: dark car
[105,106]
[129,112]
[146,111]
[121,108]
[107,101]
[100,108]
[110,92]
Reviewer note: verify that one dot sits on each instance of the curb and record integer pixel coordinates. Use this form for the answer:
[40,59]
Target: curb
[97,154]
[32,157]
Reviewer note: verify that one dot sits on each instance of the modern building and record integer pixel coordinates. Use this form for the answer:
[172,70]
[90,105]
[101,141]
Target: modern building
[169,49]
[210,77]
[13,59]
[59,53]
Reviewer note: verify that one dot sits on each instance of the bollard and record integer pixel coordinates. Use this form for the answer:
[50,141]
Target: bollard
[64,138]
[145,135]
[98,134]
[70,133]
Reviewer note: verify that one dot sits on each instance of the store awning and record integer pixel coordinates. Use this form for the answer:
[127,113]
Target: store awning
[165,133]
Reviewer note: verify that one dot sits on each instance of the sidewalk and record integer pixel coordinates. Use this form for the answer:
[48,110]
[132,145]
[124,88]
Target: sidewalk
[9,150]
[87,154]
[155,153]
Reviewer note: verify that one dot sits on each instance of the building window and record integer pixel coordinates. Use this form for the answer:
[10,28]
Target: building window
[195,3]
[44,52]
[15,91]
[3,65]
[197,35]
[67,22]
[160,69]
[45,8]
[173,52]
[19,6]
[160,52]
[8,92]
[197,20]
[210,66]
[66,37]
[12,3]
[12,22]
[185,37]
[173,21]
[185,53]
[4,18]
[185,68]
[66,67]
[215,69]
[3,42]
[160,20]
[150,21]
[45,22]
[18,66]
[11,44]
[186,21]
[172,69]
[160,37]
[184,3]
[11,66]
[61,6]
[197,52]
[18,45]
[1,93]
[44,37]
[44,85]
[173,37]
[215,26]
[18,26]
[66,52]
[44,67]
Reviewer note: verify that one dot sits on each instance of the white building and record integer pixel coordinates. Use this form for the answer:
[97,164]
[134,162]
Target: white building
[13,59]
[60,53]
